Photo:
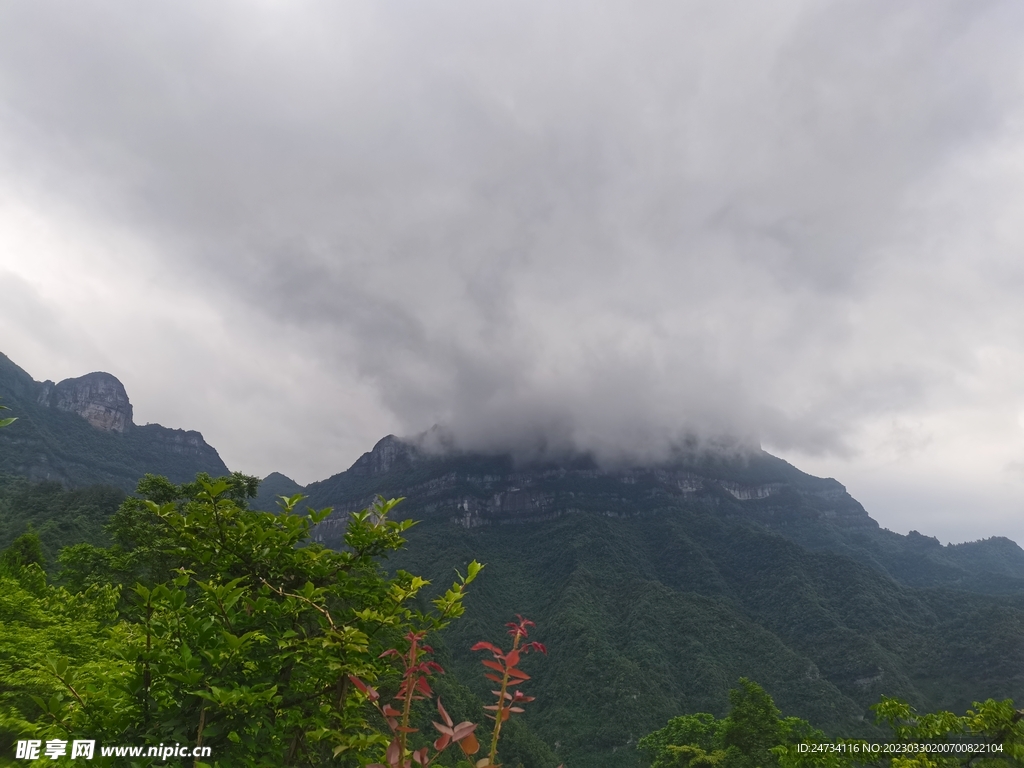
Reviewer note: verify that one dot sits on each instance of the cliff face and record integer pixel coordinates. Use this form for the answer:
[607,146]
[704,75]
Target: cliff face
[98,397]
[474,490]
[385,454]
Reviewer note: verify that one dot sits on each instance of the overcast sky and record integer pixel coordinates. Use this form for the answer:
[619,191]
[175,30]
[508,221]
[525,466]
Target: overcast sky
[300,226]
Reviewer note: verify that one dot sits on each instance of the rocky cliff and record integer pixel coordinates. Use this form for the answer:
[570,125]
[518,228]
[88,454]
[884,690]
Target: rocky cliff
[471,491]
[482,490]
[98,397]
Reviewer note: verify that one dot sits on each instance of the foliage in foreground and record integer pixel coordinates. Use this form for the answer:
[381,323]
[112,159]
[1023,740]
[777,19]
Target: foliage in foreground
[743,739]
[415,686]
[9,420]
[989,736]
[247,642]
[755,735]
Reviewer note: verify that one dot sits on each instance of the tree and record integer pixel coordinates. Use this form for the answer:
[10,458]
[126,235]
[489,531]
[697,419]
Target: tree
[743,739]
[687,740]
[753,727]
[23,551]
[249,639]
[40,624]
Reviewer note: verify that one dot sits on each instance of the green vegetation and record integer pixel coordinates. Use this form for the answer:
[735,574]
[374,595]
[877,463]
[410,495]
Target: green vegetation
[745,738]
[199,619]
[755,735]
[246,642]
[9,420]
[659,588]
[59,516]
[652,616]
[192,617]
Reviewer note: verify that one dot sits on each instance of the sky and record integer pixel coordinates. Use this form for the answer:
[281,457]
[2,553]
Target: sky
[300,226]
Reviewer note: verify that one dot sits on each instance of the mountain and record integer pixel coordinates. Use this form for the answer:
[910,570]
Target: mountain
[272,488]
[80,432]
[753,486]
[656,588]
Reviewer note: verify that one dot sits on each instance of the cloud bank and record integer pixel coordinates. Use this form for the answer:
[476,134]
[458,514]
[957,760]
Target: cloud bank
[298,227]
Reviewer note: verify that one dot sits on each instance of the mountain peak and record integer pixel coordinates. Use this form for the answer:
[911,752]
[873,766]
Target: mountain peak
[99,398]
[388,451]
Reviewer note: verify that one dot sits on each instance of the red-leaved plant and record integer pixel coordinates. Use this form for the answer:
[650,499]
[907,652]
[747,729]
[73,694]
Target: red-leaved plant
[508,676]
[416,687]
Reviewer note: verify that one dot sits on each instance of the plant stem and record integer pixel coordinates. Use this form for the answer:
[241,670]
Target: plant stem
[410,689]
[199,734]
[499,715]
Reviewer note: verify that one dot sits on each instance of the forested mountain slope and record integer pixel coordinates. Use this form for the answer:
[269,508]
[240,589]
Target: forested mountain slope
[657,588]
[59,516]
[80,432]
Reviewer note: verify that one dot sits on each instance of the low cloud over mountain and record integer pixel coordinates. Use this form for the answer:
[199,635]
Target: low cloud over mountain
[543,227]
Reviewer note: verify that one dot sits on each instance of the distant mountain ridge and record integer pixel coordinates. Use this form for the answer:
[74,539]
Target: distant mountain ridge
[80,431]
[818,513]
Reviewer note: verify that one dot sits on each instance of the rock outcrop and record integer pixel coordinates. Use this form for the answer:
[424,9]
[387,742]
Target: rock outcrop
[385,454]
[97,397]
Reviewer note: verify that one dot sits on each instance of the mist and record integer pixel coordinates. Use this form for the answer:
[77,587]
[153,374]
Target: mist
[547,229]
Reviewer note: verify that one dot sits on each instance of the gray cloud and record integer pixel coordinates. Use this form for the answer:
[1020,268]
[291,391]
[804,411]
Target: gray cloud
[597,227]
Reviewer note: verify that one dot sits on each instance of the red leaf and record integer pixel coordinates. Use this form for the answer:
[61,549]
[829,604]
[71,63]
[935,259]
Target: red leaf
[406,729]
[390,711]
[444,714]
[516,709]
[443,728]
[462,730]
[420,756]
[424,686]
[493,665]
[512,658]
[518,673]
[495,678]
[392,755]
[371,694]
[470,745]
[442,741]
[483,645]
